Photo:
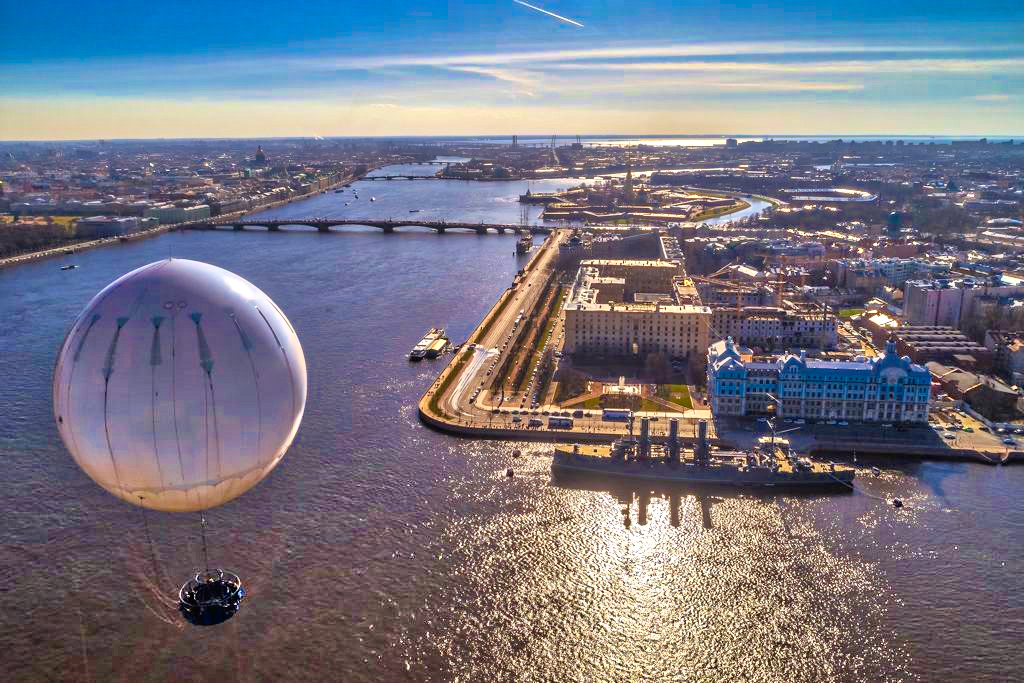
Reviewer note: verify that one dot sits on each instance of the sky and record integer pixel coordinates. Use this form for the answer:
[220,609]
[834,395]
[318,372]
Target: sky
[194,68]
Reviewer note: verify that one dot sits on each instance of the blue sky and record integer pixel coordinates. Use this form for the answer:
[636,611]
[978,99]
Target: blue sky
[188,68]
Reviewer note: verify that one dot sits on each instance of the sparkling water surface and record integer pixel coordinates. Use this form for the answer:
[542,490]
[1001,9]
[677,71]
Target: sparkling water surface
[381,550]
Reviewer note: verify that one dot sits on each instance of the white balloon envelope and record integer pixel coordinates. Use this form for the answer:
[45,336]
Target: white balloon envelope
[179,387]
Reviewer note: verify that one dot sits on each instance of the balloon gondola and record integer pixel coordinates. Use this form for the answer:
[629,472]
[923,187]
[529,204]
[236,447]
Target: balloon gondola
[179,388]
[211,597]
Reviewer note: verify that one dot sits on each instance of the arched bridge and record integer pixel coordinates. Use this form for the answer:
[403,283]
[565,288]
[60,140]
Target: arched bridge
[389,225]
[400,177]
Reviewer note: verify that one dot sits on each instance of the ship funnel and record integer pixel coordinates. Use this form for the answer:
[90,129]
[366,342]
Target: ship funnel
[702,440]
[645,437]
[673,440]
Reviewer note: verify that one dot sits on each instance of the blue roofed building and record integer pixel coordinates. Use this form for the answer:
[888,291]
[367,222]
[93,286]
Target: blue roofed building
[889,388]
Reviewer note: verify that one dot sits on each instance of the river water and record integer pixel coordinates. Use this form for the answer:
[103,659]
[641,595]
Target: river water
[381,550]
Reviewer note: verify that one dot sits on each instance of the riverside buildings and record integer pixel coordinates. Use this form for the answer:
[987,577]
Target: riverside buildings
[772,327]
[624,308]
[885,389]
[951,302]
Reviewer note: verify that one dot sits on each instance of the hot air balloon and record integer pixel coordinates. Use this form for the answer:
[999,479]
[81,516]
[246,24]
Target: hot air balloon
[178,388]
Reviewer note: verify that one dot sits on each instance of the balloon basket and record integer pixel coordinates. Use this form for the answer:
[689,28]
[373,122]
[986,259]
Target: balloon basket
[211,598]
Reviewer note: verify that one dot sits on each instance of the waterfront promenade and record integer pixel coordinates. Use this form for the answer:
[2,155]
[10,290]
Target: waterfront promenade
[462,401]
[72,247]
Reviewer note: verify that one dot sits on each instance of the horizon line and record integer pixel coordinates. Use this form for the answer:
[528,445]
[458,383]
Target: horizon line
[487,136]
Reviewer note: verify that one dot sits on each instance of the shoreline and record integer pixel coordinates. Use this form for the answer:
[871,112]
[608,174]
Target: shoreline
[433,412]
[73,247]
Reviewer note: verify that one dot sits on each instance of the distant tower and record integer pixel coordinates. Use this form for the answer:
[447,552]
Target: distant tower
[628,186]
[515,142]
[553,145]
[894,224]
[261,156]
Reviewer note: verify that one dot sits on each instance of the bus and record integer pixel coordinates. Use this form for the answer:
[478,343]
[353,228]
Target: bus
[616,414]
[559,423]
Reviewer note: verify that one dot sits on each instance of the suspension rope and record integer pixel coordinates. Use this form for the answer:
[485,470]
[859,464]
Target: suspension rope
[202,531]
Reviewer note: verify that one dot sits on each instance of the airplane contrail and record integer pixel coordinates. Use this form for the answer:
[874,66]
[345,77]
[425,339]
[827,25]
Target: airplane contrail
[550,14]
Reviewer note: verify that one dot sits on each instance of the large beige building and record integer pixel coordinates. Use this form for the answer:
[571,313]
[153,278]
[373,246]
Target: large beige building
[629,308]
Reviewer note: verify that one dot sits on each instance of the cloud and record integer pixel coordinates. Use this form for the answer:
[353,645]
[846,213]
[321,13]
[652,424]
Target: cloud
[993,98]
[522,78]
[91,117]
[879,66]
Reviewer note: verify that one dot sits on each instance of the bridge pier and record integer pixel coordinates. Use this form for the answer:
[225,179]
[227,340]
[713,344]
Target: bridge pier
[322,227]
[439,229]
[387,228]
[273,228]
[237,228]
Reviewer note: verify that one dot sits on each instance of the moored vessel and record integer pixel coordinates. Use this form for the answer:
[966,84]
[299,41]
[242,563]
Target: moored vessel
[771,464]
[420,351]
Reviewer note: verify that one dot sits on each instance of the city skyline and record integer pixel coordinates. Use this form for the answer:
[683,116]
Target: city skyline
[508,68]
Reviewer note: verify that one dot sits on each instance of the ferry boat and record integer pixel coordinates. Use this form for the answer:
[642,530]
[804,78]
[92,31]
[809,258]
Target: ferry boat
[419,352]
[524,245]
[436,348]
[770,464]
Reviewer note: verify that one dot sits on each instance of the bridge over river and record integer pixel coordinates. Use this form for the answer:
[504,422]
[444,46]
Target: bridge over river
[388,225]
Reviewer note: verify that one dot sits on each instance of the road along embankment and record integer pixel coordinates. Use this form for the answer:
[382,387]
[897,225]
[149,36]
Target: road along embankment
[72,247]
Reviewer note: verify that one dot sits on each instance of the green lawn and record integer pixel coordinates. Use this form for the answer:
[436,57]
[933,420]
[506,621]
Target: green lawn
[850,312]
[592,403]
[675,393]
[739,205]
[647,405]
[539,342]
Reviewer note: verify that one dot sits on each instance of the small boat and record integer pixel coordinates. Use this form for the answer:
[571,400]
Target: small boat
[70,267]
[414,210]
[875,471]
[419,352]
[373,199]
